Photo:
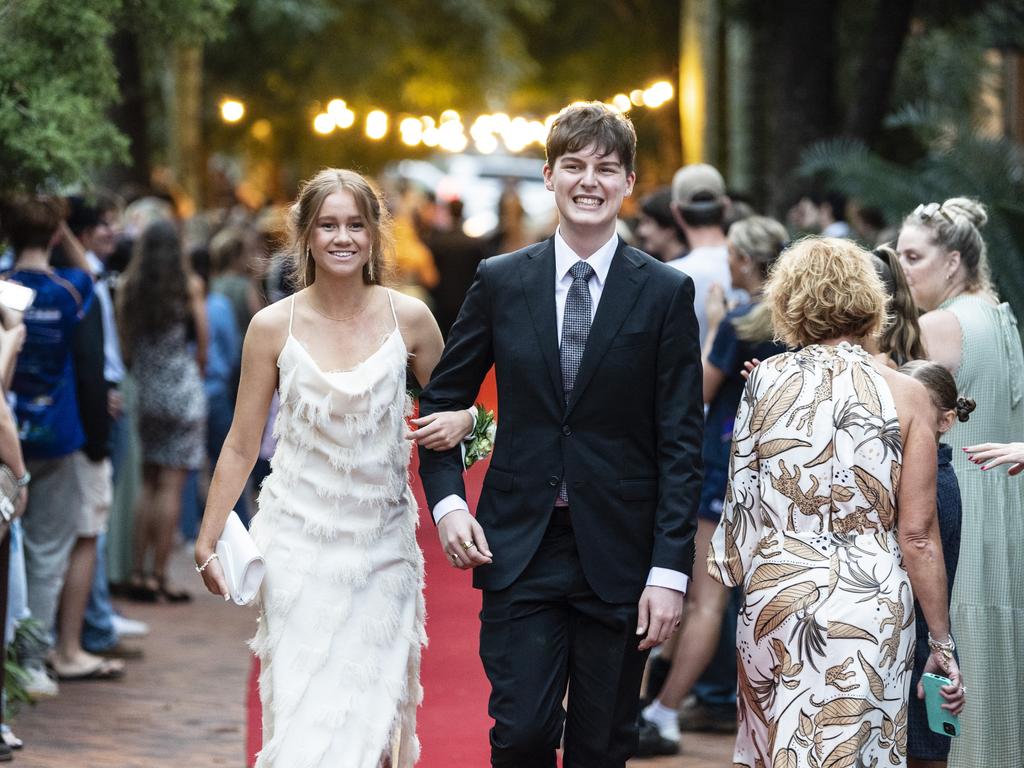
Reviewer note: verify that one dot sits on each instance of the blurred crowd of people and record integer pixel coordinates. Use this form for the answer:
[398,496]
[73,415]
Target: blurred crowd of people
[122,375]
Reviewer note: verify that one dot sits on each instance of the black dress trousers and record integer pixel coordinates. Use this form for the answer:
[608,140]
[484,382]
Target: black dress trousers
[547,631]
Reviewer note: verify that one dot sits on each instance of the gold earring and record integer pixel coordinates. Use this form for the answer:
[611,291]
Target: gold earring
[369,267]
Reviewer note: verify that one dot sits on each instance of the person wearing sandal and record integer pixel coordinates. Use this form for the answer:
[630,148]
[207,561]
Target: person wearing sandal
[162,318]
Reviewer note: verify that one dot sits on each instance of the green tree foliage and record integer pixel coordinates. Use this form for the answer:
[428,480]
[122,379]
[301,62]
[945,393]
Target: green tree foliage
[58,80]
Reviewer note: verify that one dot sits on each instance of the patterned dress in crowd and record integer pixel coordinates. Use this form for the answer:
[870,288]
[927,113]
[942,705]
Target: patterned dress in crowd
[825,641]
[987,611]
[342,617]
[171,401]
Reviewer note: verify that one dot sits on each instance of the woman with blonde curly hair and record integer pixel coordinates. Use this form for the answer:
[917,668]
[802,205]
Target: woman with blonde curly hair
[829,525]
[341,604]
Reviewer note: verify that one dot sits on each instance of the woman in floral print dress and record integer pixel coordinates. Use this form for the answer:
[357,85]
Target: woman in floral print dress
[829,520]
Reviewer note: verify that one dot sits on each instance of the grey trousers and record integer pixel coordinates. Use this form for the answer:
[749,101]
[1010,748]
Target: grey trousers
[50,526]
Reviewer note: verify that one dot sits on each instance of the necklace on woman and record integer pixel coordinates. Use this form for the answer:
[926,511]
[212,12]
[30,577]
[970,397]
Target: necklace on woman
[352,316]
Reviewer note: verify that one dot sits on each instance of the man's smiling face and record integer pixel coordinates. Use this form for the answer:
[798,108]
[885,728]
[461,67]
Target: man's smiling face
[589,187]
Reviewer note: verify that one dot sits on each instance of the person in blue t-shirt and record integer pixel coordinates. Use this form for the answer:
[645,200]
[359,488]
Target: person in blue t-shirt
[734,336]
[45,401]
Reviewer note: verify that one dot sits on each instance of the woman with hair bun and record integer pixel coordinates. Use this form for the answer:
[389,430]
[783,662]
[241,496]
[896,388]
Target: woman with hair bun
[341,606]
[968,331]
[925,748]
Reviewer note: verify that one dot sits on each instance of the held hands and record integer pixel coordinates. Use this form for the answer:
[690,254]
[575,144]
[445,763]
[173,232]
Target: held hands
[213,574]
[990,455]
[955,693]
[441,431]
[463,540]
[660,612]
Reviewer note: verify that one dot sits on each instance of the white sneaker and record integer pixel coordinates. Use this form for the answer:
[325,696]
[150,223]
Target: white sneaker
[125,627]
[39,685]
[664,719]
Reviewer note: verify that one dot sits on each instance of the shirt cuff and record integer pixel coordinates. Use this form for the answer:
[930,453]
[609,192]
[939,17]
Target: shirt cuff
[469,438]
[450,504]
[658,577]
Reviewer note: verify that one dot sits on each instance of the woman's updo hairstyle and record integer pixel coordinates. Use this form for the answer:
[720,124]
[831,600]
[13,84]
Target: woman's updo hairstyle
[941,387]
[956,226]
[304,211]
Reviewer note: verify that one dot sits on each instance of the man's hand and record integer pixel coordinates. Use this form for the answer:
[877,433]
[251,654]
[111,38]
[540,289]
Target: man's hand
[115,403]
[463,540]
[660,611]
[441,431]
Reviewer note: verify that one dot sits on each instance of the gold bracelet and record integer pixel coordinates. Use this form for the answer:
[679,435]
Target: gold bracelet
[946,649]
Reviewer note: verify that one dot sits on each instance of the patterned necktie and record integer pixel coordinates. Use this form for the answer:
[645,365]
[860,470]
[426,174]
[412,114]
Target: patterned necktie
[575,329]
[575,324]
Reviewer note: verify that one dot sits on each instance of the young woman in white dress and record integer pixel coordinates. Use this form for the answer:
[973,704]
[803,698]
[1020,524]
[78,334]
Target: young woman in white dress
[341,606]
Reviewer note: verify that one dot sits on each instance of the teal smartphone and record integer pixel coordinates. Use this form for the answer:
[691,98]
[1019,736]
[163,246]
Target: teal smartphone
[939,720]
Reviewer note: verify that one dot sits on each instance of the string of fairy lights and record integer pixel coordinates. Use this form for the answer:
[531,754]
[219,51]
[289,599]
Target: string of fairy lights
[486,132]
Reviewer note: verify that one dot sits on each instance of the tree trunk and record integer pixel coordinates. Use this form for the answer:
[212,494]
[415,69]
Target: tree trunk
[801,53]
[186,156]
[879,58]
[129,115]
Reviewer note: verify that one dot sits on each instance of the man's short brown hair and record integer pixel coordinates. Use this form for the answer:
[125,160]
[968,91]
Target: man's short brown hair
[27,221]
[582,124]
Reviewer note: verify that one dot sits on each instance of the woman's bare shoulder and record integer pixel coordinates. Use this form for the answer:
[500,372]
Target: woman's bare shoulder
[410,310]
[908,394]
[268,328]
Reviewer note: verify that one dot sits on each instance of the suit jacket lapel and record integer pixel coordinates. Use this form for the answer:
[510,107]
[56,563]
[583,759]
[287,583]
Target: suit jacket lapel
[621,290]
[538,277]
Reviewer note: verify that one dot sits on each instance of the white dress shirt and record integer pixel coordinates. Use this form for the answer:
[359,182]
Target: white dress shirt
[601,262]
[113,364]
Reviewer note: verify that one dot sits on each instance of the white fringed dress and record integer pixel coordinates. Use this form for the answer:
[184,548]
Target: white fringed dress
[342,616]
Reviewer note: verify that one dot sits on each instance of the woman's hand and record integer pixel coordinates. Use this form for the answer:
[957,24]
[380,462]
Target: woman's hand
[441,431]
[213,574]
[748,368]
[21,503]
[955,693]
[715,306]
[990,455]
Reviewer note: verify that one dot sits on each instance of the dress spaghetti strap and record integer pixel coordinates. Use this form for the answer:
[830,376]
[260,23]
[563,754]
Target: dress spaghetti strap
[394,314]
[291,314]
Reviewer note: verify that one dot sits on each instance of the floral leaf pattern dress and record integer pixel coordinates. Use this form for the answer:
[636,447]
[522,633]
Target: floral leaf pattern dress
[341,605]
[825,638]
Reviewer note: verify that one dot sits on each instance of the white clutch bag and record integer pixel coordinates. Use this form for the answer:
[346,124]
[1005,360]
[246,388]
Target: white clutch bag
[241,561]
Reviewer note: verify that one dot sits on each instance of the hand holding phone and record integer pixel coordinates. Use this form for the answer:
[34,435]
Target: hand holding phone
[940,719]
[15,296]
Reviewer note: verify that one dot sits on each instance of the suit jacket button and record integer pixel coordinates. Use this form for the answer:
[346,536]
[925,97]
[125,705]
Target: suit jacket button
[566,430]
[553,481]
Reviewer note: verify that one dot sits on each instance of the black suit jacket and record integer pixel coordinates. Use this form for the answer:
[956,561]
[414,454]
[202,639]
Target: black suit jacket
[628,443]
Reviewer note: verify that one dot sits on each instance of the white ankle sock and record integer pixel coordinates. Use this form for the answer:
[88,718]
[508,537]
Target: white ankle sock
[665,718]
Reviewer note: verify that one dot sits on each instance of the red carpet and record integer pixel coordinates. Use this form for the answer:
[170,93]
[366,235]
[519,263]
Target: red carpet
[453,722]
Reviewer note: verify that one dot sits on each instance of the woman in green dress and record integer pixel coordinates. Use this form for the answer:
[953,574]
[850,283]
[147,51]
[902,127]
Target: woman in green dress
[968,330]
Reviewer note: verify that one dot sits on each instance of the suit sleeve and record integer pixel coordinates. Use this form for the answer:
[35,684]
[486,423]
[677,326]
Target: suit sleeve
[679,420]
[454,385]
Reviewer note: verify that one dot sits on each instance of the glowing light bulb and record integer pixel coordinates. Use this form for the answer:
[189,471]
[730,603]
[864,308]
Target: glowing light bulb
[622,102]
[231,110]
[376,125]
[323,123]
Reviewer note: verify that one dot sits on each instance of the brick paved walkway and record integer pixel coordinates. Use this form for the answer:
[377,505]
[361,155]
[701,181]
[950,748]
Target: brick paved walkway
[184,704]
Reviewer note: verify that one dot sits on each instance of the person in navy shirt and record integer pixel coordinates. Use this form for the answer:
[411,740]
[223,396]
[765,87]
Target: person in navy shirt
[46,408]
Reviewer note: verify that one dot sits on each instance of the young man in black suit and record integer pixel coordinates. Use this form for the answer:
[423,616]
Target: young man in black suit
[583,538]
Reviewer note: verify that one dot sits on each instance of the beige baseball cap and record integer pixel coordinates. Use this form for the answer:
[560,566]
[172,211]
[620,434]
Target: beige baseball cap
[699,181]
